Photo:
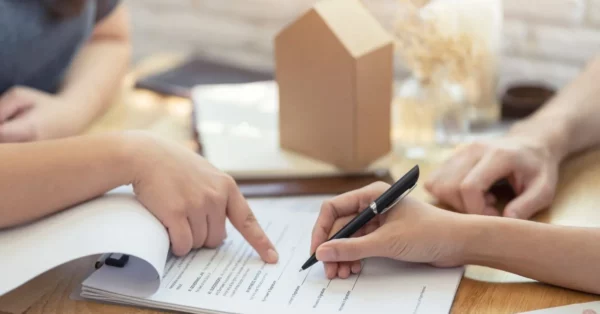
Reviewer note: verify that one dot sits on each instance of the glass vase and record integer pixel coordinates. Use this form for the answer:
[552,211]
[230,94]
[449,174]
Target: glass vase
[429,117]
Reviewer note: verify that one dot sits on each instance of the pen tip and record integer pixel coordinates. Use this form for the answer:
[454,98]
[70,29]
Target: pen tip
[301,270]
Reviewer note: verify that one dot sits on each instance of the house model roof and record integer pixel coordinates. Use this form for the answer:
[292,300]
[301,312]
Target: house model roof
[352,23]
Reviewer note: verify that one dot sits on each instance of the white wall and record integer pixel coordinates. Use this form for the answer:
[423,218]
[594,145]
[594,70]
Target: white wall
[548,40]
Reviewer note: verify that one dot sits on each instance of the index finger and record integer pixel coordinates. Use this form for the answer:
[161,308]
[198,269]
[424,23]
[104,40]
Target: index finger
[343,205]
[484,174]
[243,219]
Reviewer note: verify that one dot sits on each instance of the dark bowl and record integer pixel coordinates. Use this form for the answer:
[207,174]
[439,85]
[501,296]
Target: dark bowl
[522,99]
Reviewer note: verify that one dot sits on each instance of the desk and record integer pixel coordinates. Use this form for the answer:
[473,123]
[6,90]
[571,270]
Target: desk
[482,290]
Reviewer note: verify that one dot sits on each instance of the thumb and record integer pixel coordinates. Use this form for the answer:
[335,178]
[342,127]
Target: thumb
[532,200]
[350,249]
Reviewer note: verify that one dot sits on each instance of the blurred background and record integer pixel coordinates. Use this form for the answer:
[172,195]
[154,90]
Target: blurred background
[464,69]
[545,40]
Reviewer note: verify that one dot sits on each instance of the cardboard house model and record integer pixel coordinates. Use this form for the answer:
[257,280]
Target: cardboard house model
[334,69]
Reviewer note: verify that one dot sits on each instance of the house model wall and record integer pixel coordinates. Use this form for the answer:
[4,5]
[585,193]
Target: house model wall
[334,69]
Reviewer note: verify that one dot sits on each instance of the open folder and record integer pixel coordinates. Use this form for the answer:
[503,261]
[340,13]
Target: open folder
[229,279]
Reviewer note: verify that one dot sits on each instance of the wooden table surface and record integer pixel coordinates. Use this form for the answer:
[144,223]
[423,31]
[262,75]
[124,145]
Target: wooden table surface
[482,290]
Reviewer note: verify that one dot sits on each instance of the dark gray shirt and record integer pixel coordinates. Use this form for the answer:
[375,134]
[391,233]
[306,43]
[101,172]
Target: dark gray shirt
[36,50]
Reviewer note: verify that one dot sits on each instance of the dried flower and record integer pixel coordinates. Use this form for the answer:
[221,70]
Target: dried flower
[429,52]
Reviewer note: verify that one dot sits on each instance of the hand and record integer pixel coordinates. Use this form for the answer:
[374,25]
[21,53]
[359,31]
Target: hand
[463,181]
[23,113]
[412,231]
[192,198]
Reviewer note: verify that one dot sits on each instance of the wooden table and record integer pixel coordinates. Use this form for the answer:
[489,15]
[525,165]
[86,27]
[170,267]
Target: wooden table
[482,290]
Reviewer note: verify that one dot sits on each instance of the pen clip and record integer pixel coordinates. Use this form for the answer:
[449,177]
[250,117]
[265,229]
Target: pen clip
[398,199]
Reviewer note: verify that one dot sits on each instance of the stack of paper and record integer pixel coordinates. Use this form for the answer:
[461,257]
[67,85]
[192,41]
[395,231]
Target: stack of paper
[233,279]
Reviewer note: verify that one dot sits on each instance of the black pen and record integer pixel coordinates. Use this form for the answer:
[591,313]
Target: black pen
[384,202]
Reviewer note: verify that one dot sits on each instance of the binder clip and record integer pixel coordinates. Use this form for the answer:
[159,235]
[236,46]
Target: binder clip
[114,260]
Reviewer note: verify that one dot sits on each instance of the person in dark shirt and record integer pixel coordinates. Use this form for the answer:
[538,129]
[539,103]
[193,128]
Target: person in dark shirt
[61,61]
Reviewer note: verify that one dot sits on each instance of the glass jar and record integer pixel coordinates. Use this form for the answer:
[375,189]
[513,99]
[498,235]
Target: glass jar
[429,117]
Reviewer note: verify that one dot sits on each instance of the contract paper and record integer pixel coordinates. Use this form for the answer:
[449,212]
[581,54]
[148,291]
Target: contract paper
[233,279]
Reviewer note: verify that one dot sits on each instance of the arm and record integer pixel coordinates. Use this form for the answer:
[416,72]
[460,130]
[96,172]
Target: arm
[559,255]
[185,193]
[95,74]
[528,156]
[415,231]
[570,122]
[37,179]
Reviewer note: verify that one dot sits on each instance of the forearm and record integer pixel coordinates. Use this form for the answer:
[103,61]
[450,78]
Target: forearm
[92,81]
[570,122]
[559,255]
[40,178]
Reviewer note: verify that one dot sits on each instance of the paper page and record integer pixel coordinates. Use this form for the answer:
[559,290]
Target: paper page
[115,223]
[580,308]
[233,279]
[239,130]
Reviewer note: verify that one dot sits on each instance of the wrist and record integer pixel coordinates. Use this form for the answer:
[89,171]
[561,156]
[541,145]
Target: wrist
[480,241]
[498,242]
[138,157]
[551,130]
[124,156]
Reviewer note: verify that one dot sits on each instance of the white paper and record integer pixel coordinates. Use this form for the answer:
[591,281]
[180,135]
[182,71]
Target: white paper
[239,130]
[580,308]
[233,279]
[115,223]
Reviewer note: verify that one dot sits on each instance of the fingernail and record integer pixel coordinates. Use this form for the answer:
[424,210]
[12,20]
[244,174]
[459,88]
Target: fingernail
[326,254]
[272,256]
[511,214]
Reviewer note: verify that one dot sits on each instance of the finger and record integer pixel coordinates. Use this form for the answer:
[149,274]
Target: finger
[216,228]
[341,222]
[442,171]
[331,269]
[338,224]
[344,270]
[535,198]
[356,267]
[181,237]
[490,199]
[446,186]
[11,106]
[243,219]
[486,172]
[490,211]
[343,205]
[15,131]
[371,226]
[198,222]
[352,249]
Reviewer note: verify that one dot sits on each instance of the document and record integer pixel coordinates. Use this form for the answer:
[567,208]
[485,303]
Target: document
[233,279]
[228,279]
